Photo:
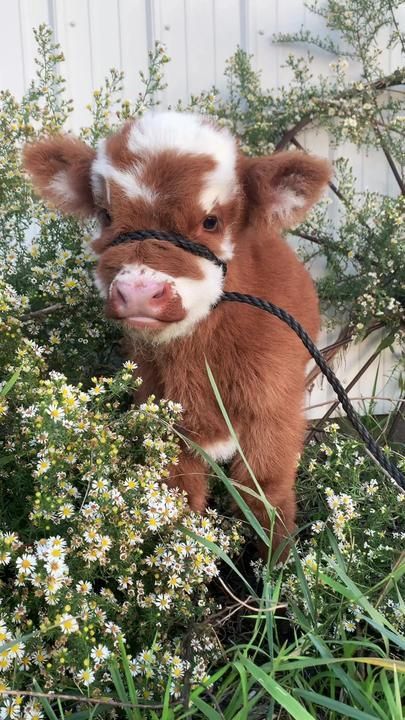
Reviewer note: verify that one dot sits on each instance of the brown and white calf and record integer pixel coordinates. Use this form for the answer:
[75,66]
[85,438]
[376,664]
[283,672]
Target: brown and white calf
[179,172]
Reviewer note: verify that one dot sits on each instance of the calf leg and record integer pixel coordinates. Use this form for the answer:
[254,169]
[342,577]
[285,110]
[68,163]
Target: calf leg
[190,475]
[272,455]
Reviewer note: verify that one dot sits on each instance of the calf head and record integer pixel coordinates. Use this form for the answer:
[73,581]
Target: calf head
[175,172]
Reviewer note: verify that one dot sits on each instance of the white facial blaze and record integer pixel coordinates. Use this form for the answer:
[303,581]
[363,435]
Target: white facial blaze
[197,296]
[186,133]
[227,247]
[128,180]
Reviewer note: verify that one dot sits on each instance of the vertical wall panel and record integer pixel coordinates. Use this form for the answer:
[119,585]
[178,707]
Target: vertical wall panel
[170,27]
[200,41]
[105,45]
[132,17]
[11,54]
[32,14]
[227,35]
[72,30]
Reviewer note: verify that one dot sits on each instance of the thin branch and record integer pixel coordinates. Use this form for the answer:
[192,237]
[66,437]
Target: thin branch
[78,698]
[390,128]
[352,399]
[390,159]
[256,610]
[397,28]
[43,311]
[330,351]
[344,337]
[333,407]
[321,241]
[289,135]
[349,336]
[396,78]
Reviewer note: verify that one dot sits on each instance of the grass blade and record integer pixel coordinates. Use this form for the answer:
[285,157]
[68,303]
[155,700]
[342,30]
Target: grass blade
[214,548]
[45,702]
[10,383]
[207,710]
[346,681]
[339,707]
[130,680]
[233,491]
[275,690]
[121,692]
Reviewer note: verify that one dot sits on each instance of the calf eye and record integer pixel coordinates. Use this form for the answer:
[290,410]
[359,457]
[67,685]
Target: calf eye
[104,217]
[210,223]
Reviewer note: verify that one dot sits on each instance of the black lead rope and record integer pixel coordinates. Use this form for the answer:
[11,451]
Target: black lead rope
[175,239]
[202,251]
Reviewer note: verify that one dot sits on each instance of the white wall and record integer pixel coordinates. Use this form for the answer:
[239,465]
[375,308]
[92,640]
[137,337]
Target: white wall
[200,35]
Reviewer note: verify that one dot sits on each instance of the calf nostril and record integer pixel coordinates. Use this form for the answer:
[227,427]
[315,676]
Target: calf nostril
[121,296]
[159,293]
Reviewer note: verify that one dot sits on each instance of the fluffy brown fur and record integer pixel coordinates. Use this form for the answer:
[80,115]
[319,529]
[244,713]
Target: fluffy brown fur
[258,363]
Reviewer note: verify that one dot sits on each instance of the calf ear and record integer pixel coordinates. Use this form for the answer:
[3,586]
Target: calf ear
[284,186]
[60,168]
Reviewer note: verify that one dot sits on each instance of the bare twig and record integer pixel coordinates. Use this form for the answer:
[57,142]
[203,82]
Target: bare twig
[330,351]
[289,135]
[322,241]
[396,78]
[251,608]
[78,698]
[353,399]
[43,311]
[349,336]
[334,405]
[390,159]
[345,336]
[397,28]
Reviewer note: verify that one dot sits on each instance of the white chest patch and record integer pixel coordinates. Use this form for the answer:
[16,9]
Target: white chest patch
[222,450]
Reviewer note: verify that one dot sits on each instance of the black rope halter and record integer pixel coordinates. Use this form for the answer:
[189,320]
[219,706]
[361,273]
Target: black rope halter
[202,251]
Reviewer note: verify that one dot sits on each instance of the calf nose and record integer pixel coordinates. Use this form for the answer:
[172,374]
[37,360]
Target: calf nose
[143,298]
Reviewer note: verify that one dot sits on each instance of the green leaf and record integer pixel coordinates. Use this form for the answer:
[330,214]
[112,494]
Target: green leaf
[347,682]
[243,713]
[214,548]
[346,710]
[121,692]
[353,592]
[167,713]
[275,690]
[45,702]
[386,342]
[130,680]
[389,696]
[233,491]
[10,383]
[206,709]
[399,640]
